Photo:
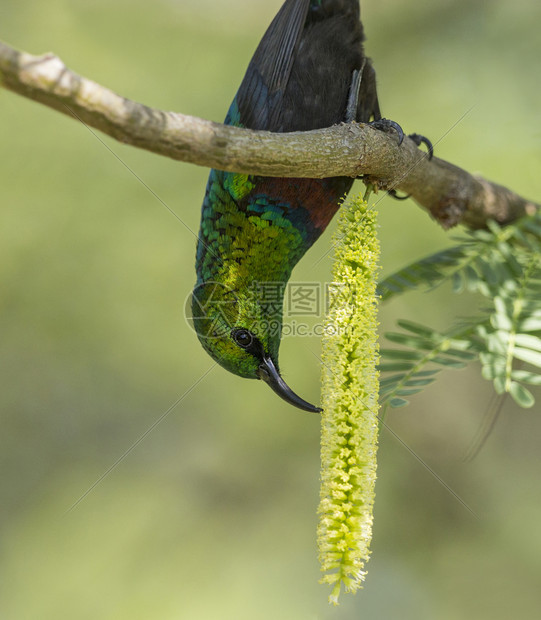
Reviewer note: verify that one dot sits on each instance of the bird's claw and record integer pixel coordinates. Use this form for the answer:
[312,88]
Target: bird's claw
[419,139]
[393,194]
[384,124]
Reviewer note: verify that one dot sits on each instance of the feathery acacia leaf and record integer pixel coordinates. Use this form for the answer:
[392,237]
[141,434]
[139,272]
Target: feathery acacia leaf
[504,266]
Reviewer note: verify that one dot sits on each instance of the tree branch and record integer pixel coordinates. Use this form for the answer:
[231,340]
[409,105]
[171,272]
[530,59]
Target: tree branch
[450,194]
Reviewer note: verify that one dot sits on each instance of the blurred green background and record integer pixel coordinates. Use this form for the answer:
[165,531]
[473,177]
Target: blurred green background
[213,513]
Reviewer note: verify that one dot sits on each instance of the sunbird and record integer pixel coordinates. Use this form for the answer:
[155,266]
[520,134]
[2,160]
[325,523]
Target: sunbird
[308,72]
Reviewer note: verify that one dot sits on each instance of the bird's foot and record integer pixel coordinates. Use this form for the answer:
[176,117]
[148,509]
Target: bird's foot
[384,124]
[418,139]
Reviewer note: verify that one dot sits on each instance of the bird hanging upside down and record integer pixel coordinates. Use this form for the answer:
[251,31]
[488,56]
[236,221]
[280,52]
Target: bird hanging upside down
[308,72]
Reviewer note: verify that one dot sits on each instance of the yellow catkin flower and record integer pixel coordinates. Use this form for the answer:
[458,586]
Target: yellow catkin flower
[350,402]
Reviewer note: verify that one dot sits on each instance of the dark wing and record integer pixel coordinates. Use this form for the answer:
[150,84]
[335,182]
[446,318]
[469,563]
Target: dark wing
[259,98]
[301,73]
[330,51]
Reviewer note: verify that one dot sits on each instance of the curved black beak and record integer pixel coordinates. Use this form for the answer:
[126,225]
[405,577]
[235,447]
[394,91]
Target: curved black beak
[269,373]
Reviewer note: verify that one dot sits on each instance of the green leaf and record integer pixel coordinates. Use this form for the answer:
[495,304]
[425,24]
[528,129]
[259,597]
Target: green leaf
[487,271]
[408,391]
[416,328]
[398,402]
[524,376]
[493,366]
[527,355]
[427,272]
[421,382]
[427,373]
[394,366]
[499,384]
[458,282]
[483,235]
[501,322]
[463,355]
[530,324]
[385,390]
[471,278]
[521,395]
[528,341]
[410,341]
[392,380]
[449,363]
[497,342]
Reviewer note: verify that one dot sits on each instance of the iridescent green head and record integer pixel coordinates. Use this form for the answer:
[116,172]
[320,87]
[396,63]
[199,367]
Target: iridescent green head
[242,335]
[231,325]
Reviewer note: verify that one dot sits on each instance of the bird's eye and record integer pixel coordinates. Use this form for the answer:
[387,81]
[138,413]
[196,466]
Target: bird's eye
[242,337]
